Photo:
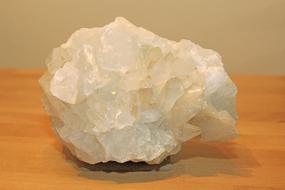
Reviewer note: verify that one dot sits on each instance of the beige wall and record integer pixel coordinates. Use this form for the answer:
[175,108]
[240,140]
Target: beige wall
[249,34]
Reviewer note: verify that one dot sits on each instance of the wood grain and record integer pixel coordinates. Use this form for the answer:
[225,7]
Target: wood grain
[31,157]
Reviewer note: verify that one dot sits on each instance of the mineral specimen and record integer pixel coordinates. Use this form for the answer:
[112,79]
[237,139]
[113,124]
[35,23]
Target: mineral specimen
[122,93]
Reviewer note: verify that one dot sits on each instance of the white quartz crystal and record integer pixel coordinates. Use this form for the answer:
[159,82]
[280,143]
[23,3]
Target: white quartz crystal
[122,93]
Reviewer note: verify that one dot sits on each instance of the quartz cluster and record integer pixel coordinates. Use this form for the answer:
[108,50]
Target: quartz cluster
[121,93]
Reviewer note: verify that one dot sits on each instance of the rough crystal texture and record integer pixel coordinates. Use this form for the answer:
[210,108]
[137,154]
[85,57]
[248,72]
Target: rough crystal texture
[122,93]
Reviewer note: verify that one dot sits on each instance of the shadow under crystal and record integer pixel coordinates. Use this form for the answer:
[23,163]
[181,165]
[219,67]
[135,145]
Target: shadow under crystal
[195,159]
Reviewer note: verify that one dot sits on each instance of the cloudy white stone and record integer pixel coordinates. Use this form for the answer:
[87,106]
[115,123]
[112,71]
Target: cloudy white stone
[122,93]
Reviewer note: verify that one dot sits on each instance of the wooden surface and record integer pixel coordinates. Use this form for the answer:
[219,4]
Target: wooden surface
[31,157]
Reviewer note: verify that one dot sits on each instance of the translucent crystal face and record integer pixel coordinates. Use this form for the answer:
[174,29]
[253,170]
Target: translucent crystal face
[122,93]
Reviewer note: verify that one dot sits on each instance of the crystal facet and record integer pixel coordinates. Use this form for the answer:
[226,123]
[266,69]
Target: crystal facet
[122,93]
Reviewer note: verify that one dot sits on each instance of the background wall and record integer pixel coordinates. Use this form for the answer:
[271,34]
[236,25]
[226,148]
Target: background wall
[249,34]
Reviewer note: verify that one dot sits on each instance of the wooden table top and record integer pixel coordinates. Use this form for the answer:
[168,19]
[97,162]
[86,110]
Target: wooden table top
[31,156]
